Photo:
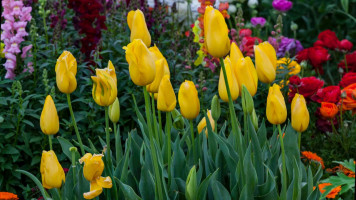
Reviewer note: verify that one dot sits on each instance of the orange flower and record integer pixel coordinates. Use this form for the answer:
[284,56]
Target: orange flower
[8,196]
[342,169]
[333,193]
[349,102]
[328,110]
[313,157]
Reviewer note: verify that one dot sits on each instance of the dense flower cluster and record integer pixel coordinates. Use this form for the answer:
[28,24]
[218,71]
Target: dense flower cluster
[88,21]
[16,17]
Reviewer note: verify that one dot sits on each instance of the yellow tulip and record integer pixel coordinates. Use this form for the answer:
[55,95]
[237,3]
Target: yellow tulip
[166,100]
[231,79]
[141,63]
[235,53]
[188,100]
[114,111]
[137,24]
[66,69]
[293,66]
[266,62]
[202,123]
[216,33]
[51,171]
[246,75]
[276,110]
[49,121]
[156,53]
[92,170]
[299,113]
[105,86]
[161,70]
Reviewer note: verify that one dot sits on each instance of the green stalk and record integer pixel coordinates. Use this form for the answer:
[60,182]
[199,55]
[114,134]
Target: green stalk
[168,133]
[153,149]
[284,169]
[160,126]
[107,135]
[50,142]
[75,125]
[155,119]
[299,139]
[73,166]
[59,193]
[192,138]
[118,147]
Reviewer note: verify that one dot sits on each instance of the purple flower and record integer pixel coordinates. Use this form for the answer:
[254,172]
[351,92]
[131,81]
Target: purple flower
[289,45]
[282,5]
[258,21]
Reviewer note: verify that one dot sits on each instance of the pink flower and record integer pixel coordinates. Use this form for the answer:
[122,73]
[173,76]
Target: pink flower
[258,21]
[282,5]
[16,7]
[29,68]
[26,14]
[25,49]
[9,74]
[14,48]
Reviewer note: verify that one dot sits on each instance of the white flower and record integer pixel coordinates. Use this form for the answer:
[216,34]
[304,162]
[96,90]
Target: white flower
[232,9]
[252,3]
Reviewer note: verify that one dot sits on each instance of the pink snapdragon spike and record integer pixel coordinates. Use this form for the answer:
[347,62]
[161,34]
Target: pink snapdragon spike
[16,17]
[258,21]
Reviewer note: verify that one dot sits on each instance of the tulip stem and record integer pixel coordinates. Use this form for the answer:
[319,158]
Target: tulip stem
[192,137]
[160,126]
[299,139]
[50,142]
[168,133]
[108,153]
[73,166]
[284,169]
[75,125]
[118,146]
[152,146]
[155,119]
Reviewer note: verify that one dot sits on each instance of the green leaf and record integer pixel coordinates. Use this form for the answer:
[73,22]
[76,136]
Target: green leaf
[204,185]
[37,182]
[219,191]
[129,193]
[146,185]
[65,144]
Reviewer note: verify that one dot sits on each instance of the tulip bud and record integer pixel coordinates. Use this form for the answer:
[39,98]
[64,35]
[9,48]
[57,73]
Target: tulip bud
[254,119]
[178,121]
[266,62]
[235,54]
[202,123]
[276,110]
[114,111]
[299,113]
[247,101]
[51,171]
[231,79]
[137,24]
[66,69]
[215,108]
[188,100]
[49,121]
[191,191]
[141,63]
[104,86]
[217,41]
[246,75]
[166,100]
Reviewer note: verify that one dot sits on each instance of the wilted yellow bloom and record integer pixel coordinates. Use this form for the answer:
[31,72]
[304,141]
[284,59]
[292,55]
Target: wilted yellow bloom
[166,100]
[105,86]
[51,171]
[276,110]
[66,69]
[299,113]
[246,74]
[141,63]
[202,123]
[293,66]
[216,33]
[235,53]
[137,24]
[49,121]
[161,70]
[266,62]
[188,100]
[231,79]
[92,170]
[114,111]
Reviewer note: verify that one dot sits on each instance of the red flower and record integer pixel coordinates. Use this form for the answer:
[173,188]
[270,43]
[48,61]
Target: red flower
[325,124]
[348,79]
[187,33]
[247,45]
[329,39]
[303,55]
[351,62]
[308,87]
[295,81]
[318,56]
[345,45]
[329,94]
[318,43]
[245,32]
